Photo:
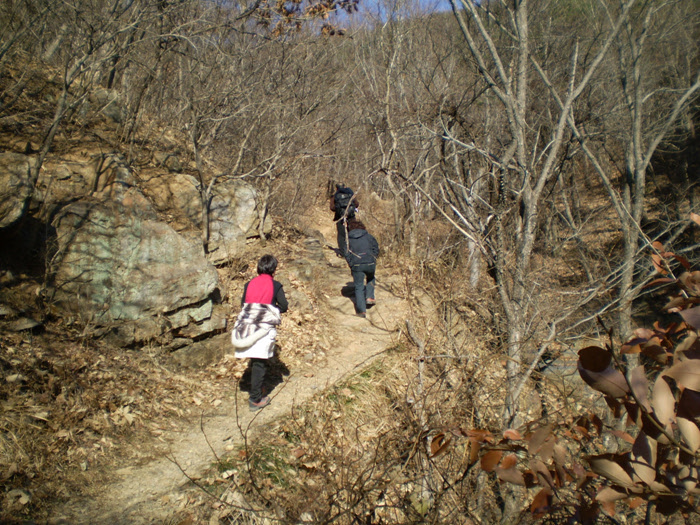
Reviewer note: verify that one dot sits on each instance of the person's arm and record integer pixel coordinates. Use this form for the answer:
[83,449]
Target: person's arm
[350,251]
[374,247]
[280,300]
[245,290]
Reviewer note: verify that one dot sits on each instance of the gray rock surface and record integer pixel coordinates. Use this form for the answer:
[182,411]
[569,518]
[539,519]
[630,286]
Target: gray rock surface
[176,194]
[233,215]
[109,103]
[66,179]
[170,161]
[203,353]
[117,268]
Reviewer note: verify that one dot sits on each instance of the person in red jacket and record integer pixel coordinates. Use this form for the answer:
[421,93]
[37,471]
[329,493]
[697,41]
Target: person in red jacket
[255,329]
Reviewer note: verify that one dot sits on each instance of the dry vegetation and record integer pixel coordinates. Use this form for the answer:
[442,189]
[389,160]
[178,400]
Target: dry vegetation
[396,443]
[393,444]
[73,406]
[405,440]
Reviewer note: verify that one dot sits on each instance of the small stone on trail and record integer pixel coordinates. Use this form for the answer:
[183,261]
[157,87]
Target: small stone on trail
[23,323]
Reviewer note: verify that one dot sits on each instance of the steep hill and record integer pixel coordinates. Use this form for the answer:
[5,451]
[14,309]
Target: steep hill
[158,437]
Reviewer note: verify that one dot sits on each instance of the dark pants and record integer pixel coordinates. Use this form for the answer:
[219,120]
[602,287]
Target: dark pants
[362,293]
[258,367]
[342,237]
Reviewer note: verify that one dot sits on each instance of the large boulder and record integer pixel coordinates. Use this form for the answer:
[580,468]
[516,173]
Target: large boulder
[15,188]
[118,268]
[175,194]
[233,217]
[233,210]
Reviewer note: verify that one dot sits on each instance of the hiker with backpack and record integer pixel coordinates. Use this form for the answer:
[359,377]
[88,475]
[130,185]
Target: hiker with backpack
[362,253]
[255,330]
[344,204]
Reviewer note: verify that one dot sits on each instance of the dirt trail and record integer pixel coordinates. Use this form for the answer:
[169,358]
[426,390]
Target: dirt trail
[145,493]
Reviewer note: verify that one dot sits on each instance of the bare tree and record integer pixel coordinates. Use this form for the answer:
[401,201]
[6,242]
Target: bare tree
[80,42]
[654,86]
[407,74]
[524,162]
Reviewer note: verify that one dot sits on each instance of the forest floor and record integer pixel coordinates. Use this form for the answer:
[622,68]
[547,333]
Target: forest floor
[148,480]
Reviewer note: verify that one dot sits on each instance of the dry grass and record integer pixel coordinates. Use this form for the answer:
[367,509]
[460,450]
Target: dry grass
[359,451]
[363,450]
[70,409]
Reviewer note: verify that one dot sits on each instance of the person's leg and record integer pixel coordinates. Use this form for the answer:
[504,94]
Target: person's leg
[369,272]
[342,237]
[358,278]
[258,367]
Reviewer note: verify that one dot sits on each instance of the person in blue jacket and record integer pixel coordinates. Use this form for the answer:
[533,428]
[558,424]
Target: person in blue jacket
[361,255]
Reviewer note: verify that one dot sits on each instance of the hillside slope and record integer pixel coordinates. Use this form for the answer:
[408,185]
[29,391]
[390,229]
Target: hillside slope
[141,491]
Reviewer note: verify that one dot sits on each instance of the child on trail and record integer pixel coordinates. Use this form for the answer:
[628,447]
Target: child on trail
[255,330]
[344,204]
[361,256]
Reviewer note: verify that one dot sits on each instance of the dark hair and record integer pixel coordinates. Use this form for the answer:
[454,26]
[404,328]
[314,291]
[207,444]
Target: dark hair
[356,224]
[267,264]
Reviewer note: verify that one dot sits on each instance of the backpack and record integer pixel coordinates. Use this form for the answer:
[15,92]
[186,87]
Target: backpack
[342,199]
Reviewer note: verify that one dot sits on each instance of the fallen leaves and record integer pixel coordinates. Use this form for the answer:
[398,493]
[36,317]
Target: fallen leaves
[64,402]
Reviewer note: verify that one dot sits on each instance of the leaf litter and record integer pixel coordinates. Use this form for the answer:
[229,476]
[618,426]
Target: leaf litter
[72,408]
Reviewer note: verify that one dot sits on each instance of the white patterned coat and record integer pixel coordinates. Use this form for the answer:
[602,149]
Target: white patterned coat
[255,330]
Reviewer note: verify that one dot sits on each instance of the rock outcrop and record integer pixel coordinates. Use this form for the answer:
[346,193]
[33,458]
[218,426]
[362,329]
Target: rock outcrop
[74,177]
[233,210]
[121,271]
[117,267]
[233,217]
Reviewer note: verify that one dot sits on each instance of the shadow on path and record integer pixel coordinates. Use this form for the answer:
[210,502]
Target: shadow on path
[277,370]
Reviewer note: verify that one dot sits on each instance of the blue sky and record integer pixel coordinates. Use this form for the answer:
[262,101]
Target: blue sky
[375,8]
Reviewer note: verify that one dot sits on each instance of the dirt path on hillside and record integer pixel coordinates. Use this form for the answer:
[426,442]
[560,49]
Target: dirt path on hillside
[147,492]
